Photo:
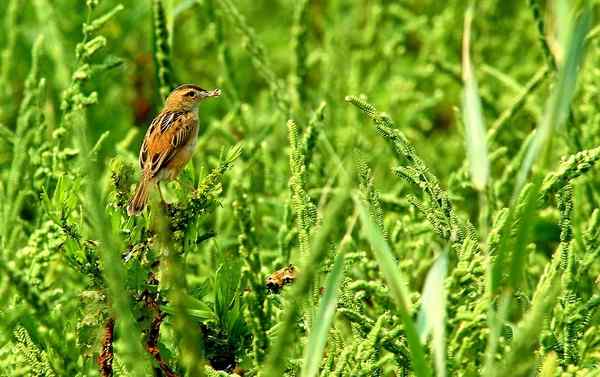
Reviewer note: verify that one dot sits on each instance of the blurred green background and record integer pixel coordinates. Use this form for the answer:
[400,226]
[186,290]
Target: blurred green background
[71,126]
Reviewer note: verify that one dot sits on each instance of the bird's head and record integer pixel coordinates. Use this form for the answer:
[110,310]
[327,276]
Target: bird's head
[186,97]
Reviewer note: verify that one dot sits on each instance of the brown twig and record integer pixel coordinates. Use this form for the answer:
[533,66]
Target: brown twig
[152,344]
[153,336]
[105,359]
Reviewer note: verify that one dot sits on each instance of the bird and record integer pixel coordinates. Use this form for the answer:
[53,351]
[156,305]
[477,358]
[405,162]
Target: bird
[169,142]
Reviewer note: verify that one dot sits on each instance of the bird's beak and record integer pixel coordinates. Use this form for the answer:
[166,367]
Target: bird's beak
[213,93]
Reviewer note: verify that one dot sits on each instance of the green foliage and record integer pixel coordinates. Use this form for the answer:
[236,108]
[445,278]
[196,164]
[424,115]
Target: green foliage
[34,361]
[313,353]
[7,58]
[458,250]
[300,31]
[438,210]
[304,209]
[476,143]
[257,53]
[395,281]
[162,49]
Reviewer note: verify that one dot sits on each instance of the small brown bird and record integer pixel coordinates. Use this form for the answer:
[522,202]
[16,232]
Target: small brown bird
[169,142]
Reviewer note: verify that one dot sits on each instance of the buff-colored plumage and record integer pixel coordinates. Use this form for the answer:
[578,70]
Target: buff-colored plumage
[169,142]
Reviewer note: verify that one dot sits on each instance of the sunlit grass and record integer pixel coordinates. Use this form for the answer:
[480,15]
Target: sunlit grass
[454,234]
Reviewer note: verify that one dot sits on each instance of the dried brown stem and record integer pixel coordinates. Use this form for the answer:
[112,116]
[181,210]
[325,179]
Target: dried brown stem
[152,341]
[105,359]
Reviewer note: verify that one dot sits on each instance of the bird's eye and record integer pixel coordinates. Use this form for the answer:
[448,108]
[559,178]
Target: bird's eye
[191,93]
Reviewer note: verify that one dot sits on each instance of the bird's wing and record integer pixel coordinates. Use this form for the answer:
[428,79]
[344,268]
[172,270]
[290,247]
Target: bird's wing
[168,132]
[144,149]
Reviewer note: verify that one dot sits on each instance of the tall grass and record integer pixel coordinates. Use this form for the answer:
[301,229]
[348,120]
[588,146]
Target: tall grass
[455,234]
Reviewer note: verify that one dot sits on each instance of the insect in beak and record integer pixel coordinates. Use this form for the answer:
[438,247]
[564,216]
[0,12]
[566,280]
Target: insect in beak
[212,93]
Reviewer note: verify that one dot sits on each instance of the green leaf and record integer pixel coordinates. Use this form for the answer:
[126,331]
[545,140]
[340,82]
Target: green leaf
[517,362]
[432,315]
[557,107]
[475,139]
[556,112]
[395,280]
[227,305]
[196,309]
[98,145]
[7,134]
[313,352]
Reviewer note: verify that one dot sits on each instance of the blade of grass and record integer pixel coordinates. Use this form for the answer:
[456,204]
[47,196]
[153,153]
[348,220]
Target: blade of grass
[557,107]
[432,315]
[502,78]
[394,278]
[554,116]
[518,362]
[173,276]
[286,329]
[518,103]
[523,202]
[136,359]
[495,320]
[475,140]
[313,352]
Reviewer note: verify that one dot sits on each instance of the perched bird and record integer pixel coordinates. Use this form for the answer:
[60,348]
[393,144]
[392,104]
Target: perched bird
[169,142]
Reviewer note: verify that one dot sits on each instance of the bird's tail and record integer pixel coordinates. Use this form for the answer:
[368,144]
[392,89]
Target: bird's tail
[139,199]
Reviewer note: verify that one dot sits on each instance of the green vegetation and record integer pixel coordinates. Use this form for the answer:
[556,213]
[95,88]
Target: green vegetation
[455,234]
